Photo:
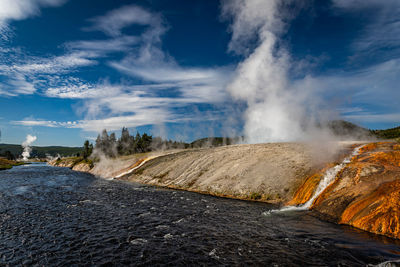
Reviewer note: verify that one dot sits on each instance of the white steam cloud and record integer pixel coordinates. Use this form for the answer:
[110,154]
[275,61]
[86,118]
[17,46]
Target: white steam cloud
[276,111]
[26,145]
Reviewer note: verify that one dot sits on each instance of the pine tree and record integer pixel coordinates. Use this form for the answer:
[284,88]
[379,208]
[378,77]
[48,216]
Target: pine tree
[86,149]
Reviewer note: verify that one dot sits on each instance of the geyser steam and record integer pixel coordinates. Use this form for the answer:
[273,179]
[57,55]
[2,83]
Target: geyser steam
[275,110]
[26,145]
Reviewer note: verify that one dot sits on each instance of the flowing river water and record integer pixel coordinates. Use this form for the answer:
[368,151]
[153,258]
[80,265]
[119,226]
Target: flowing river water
[53,216]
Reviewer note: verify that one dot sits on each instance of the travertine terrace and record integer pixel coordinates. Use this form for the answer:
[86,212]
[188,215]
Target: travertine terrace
[365,194]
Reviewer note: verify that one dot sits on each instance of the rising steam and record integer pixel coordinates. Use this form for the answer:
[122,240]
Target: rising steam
[275,110]
[26,145]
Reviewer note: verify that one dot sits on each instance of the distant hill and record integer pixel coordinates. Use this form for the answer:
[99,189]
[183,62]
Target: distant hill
[391,133]
[346,129]
[41,151]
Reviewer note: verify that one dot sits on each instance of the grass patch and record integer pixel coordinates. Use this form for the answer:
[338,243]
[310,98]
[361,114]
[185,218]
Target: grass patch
[6,164]
[5,167]
[255,196]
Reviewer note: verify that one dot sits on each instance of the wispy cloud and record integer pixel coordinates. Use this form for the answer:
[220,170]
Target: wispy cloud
[374,117]
[164,86]
[365,95]
[117,44]
[52,124]
[163,89]
[24,76]
[114,21]
[110,123]
[382,35]
[21,9]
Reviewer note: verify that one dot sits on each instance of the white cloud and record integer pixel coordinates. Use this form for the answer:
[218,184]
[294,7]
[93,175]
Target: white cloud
[374,118]
[114,21]
[22,9]
[382,35]
[165,87]
[54,65]
[360,94]
[149,117]
[24,77]
[118,44]
[52,124]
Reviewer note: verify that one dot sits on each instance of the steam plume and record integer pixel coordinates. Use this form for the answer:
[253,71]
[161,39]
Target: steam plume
[275,112]
[26,145]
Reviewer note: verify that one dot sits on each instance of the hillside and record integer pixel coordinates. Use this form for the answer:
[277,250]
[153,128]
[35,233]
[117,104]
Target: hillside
[41,152]
[347,129]
[391,133]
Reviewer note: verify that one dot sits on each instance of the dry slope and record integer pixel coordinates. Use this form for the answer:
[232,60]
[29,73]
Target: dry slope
[265,172]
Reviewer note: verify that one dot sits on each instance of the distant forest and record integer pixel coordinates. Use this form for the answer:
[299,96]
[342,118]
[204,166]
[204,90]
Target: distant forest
[12,152]
[391,133]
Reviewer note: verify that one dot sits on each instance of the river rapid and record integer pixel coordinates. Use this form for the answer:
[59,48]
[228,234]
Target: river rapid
[54,216]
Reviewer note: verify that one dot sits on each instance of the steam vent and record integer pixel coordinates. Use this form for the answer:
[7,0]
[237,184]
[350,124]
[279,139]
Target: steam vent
[365,194]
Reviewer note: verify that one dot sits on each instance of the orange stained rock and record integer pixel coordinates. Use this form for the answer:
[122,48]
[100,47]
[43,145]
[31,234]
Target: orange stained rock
[386,158]
[365,194]
[306,190]
[377,212]
[368,147]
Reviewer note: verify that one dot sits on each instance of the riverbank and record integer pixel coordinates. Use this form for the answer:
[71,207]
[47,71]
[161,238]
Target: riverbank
[263,172]
[6,164]
[364,193]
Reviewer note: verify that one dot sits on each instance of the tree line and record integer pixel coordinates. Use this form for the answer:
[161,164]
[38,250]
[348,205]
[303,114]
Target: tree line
[127,144]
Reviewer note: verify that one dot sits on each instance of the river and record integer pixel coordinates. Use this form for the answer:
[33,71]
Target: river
[54,216]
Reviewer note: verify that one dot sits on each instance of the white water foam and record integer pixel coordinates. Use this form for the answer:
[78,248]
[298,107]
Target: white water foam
[328,178]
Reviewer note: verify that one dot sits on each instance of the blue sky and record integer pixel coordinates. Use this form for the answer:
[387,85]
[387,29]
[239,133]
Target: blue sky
[186,69]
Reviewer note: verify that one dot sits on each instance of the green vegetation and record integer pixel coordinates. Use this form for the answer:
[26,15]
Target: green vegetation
[391,133]
[345,128]
[73,161]
[87,149]
[128,144]
[8,164]
[255,196]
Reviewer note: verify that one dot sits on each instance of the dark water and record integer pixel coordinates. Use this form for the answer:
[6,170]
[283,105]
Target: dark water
[53,216]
